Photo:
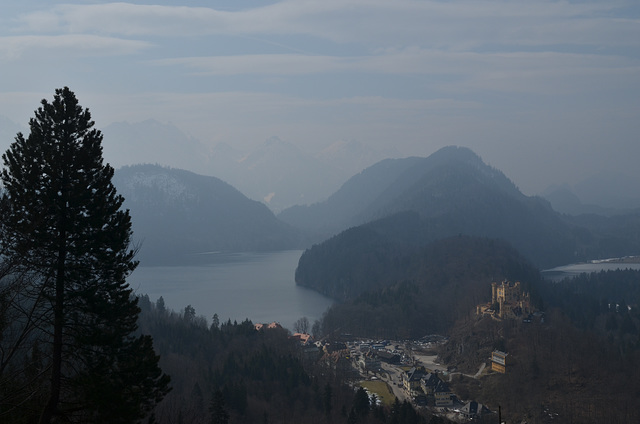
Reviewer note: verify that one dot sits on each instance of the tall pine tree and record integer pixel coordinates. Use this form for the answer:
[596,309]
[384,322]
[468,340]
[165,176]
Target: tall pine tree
[62,221]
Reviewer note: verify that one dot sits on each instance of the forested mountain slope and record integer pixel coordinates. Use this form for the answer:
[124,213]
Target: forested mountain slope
[177,214]
[397,293]
[452,192]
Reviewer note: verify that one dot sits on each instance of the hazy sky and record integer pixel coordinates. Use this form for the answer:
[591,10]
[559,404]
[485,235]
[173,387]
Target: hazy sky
[543,90]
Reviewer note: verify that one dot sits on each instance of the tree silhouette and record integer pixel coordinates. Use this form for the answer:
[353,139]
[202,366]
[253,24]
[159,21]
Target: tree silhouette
[218,409]
[63,225]
[301,325]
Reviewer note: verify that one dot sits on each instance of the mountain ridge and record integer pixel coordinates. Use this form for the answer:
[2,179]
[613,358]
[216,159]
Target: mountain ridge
[451,193]
[177,214]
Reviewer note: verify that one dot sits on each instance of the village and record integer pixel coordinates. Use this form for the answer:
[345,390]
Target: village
[409,369]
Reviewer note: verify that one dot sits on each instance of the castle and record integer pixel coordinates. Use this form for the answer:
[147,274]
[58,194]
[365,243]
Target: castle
[507,301]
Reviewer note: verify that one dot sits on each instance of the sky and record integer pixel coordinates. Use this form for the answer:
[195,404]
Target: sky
[546,91]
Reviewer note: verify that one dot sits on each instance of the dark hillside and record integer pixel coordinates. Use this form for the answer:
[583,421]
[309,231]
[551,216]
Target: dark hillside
[586,351]
[396,293]
[177,214]
[608,236]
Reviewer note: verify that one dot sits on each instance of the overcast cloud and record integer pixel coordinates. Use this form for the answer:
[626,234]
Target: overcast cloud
[547,91]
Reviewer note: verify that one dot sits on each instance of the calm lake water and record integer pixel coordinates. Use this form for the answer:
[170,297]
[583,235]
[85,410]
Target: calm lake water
[567,271]
[258,286]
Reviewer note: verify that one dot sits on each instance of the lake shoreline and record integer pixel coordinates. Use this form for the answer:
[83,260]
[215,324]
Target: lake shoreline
[258,286]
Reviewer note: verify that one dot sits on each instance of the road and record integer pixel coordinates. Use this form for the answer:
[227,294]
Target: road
[392,375]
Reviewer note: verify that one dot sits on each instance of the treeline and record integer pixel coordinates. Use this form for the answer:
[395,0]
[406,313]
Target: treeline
[605,302]
[399,292]
[229,372]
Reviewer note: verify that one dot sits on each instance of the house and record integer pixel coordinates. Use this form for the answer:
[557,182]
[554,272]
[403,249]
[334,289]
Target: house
[442,394]
[272,326]
[499,361]
[369,362]
[411,379]
[429,382]
[436,390]
[474,409]
[304,338]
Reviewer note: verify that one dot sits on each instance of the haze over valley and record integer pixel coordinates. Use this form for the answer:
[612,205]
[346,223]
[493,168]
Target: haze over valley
[323,212]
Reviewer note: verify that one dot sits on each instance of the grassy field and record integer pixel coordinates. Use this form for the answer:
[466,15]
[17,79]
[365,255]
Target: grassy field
[381,390]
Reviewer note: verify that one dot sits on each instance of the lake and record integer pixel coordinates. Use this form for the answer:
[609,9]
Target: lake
[572,270]
[258,286]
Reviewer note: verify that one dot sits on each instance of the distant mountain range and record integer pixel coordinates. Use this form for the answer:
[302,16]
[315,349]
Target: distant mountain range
[606,193]
[153,142]
[276,172]
[401,204]
[177,216]
[281,175]
[451,192]
[410,201]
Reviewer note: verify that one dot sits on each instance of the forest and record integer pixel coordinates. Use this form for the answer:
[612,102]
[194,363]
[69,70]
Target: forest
[576,360]
[230,372]
[391,291]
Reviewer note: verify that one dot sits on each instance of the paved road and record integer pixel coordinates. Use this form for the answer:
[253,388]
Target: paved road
[392,375]
[480,370]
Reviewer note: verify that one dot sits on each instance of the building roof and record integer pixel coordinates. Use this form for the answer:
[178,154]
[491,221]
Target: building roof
[415,373]
[441,387]
[269,326]
[430,379]
[474,408]
[303,338]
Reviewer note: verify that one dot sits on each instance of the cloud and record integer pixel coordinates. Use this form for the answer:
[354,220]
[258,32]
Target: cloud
[15,47]
[453,24]
[515,72]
